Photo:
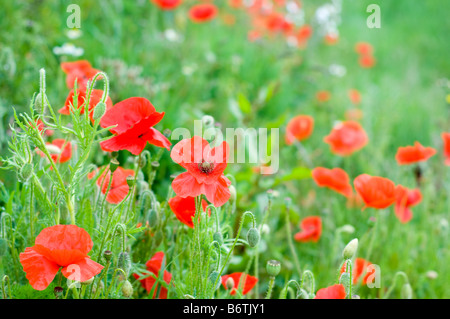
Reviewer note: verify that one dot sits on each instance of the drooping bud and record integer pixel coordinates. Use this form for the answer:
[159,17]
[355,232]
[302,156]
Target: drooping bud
[229,283]
[233,194]
[303,294]
[124,263]
[127,289]
[406,292]
[107,254]
[273,267]
[350,250]
[253,237]
[26,171]
[218,237]
[99,111]
[113,165]
[213,277]
[153,217]
[58,291]
[88,282]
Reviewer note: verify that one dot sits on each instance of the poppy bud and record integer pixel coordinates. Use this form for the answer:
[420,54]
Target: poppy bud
[350,250]
[356,297]
[3,247]
[158,237]
[130,181]
[25,172]
[153,217]
[99,111]
[127,289]
[218,237]
[124,262]
[58,291]
[302,294]
[253,237]
[186,296]
[265,230]
[431,274]
[213,277]
[230,283]
[40,108]
[99,285]
[107,254]
[273,267]
[142,161]
[113,165]
[88,282]
[233,193]
[406,292]
[208,121]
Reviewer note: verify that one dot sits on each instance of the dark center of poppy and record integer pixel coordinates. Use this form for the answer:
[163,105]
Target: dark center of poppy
[206,167]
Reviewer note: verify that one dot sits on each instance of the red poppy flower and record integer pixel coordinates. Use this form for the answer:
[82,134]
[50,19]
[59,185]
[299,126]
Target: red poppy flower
[367,61]
[203,12]
[119,187]
[80,70]
[42,129]
[55,149]
[336,179]
[364,48]
[311,229]
[275,22]
[167,4]
[332,292]
[299,128]
[254,35]
[446,139]
[323,96]
[303,34]
[354,96]
[359,268]
[331,39]
[375,191]
[154,266]
[205,168]
[346,138]
[59,246]
[249,283]
[406,198]
[184,209]
[96,97]
[134,118]
[413,154]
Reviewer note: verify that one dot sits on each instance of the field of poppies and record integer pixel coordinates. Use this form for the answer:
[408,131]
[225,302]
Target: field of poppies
[224,149]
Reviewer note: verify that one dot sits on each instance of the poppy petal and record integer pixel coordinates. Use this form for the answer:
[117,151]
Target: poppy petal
[82,270]
[40,271]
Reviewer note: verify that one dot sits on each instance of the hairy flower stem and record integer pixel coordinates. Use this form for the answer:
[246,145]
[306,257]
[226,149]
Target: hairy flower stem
[31,214]
[394,284]
[271,283]
[291,243]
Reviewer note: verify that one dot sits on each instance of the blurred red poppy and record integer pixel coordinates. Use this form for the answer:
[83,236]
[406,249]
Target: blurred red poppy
[154,266]
[377,192]
[364,48]
[81,71]
[406,198]
[167,4]
[205,166]
[59,246]
[331,39]
[354,96]
[203,12]
[302,35]
[335,179]
[359,268]
[446,139]
[299,128]
[346,138]
[323,96]
[184,209]
[58,154]
[413,154]
[119,187]
[96,97]
[42,129]
[332,292]
[275,22]
[249,283]
[311,229]
[367,61]
[134,117]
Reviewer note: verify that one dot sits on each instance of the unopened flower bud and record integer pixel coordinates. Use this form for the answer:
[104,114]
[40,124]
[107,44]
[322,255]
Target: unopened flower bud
[58,291]
[107,254]
[153,217]
[253,237]
[303,294]
[113,165]
[99,111]
[233,194]
[356,297]
[213,278]
[208,121]
[273,267]
[127,289]
[406,292]
[186,296]
[350,250]
[25,172]
[218,237]
[88,282]
[38,106]
[124,263]
[431,274]
[229,283]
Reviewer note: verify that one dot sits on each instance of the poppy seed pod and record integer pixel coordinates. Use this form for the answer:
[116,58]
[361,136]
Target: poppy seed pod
[218,237]
[253,237]
[25,172]
[127,289]
[273,267]
[130,181]
[99,111]
[107,254]
[350,250]
[406,292]
[124,262]
[58,291]
[113,165]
